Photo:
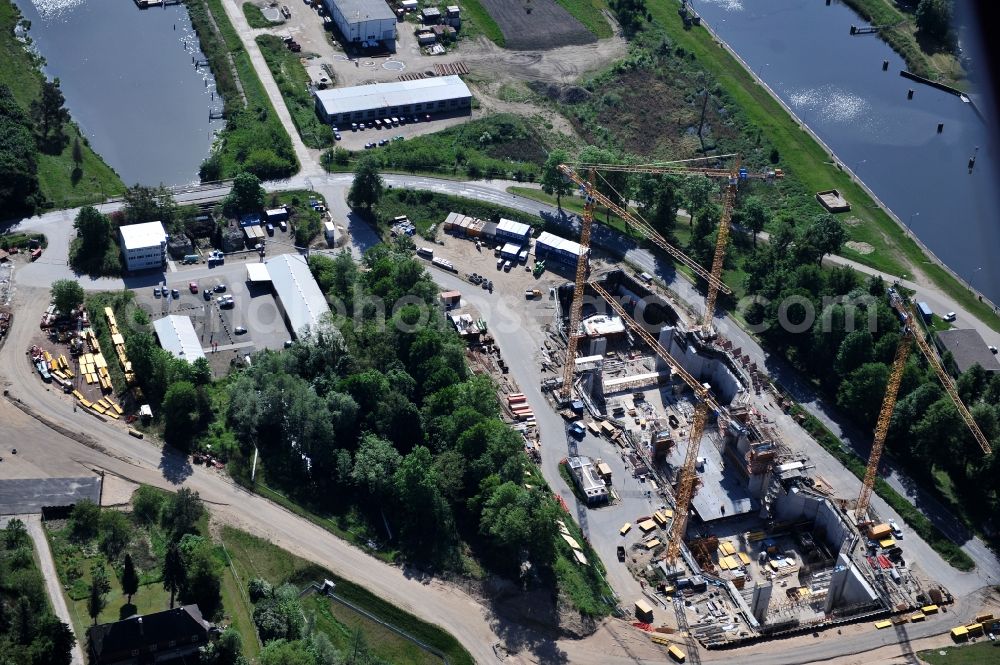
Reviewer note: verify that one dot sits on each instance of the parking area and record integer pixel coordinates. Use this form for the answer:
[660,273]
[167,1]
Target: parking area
[357,138]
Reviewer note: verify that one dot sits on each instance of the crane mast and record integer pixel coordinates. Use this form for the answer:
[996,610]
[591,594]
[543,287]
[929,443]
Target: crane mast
[579,284]
[719,259]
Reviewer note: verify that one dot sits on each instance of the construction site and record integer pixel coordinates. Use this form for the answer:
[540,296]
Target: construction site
[744,541]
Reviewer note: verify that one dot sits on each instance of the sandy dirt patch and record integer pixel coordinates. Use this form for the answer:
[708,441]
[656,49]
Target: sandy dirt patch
[859,247]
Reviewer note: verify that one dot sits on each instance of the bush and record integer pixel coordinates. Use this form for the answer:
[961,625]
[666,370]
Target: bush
[259,589]
[146,504]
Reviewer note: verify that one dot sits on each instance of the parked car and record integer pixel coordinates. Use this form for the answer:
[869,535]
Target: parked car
[208,294]
[507,266]
[378,124]
[337,136]
[950,316]
[193,286]
[395,122]
[354,126]
[283,225]
[240,330]
[383,142]
[219,288]
[288,343]
[156,291]
[175,293]
[896,531]
[499,263]
[361,126]
[397,137]
[416,119]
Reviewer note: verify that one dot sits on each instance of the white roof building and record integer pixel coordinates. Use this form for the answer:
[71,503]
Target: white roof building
[298,295]
[548,245]
[143,245]
[380,100]
[509,229]
[177,336]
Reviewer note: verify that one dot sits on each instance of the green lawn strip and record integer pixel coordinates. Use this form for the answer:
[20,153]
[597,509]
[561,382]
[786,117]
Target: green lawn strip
[22,74]
[239,612]
[293,81]
[588,12]
[342,624]
[254,138]
[940,543]
[804,158]
[255,557]
[477,21]
[255,17]
[968,654]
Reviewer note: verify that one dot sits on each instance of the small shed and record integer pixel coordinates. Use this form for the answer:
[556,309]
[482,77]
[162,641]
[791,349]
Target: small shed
[832,200]
[330,233]
[431,15]
[426,37]
[276,214]
[510,251]
[925,311]
[451,299]
[643,612]
[408,5]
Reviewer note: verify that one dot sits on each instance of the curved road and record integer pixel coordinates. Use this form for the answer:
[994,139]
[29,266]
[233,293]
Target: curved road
[465,617]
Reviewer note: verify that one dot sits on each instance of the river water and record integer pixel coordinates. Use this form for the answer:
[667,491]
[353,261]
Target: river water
[803,50]
[129,82]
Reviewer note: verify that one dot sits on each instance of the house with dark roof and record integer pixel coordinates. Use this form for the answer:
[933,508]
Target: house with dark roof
[164,637]
[968,348]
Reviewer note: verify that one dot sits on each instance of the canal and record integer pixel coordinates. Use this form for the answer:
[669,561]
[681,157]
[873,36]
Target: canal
[834,83]
[130,83]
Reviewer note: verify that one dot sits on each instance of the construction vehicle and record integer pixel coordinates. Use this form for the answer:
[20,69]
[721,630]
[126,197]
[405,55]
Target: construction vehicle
[912,333]
[539,268]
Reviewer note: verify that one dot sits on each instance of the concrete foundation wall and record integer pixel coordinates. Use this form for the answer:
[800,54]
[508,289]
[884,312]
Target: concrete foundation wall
[724,384]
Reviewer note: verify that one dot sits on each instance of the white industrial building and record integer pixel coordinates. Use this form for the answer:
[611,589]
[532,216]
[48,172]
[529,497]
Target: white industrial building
[178,337]
[144,246]
[297,294]
[360,103]
[364,21]
[587,479]
[550,246]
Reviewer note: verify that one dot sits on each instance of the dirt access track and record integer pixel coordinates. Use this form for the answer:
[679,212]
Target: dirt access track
[535,24]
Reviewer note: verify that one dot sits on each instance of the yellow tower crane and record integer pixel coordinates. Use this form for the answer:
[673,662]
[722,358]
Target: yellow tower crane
[687,477]
[636,221]
[912,334]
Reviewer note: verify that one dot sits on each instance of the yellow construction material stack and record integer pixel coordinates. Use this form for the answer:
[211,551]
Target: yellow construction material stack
[119,341]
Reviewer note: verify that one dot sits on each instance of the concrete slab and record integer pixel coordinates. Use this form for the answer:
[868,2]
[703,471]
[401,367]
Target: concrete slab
[29,495]
[720,493]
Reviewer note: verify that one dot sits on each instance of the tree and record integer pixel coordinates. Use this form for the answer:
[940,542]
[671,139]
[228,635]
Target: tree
[149,204]
[18,158]
[15,534]
[630,14]
[130,579]
[202,583]
[227,650]
[77,152]
[374,464]
[246,195]
[84,520]
[756,216]
[258,589]
[856,350]
[174,574]
[826,235]
[99,587]
[67,295]
[520,522]
[699,192]
[366,190]
[146,504]
[554,182]
[115,533]
[48,110]
[933,18]
[181,413]
[181,513]
[861,392]
[54,642]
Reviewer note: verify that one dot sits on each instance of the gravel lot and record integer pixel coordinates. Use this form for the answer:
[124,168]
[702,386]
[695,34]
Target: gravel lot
[547,26]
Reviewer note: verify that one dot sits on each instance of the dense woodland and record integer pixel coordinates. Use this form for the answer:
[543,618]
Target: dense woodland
[30,634]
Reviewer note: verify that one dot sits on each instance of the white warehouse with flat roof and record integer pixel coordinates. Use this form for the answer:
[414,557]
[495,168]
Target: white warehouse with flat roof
[364,20]
[299,297]
[360,103]
[178,337]
[143,245]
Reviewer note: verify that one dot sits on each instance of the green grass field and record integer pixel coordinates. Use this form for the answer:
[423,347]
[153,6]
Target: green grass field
[20,72]
[293,81]
[983,653]
[588,12]
[255,17]
[254,557]
[477,21]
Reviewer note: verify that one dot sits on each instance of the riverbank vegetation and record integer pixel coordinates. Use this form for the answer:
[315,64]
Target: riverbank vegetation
[45,161]
[254,138]
[293,81]
[920,32]
[30,633]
